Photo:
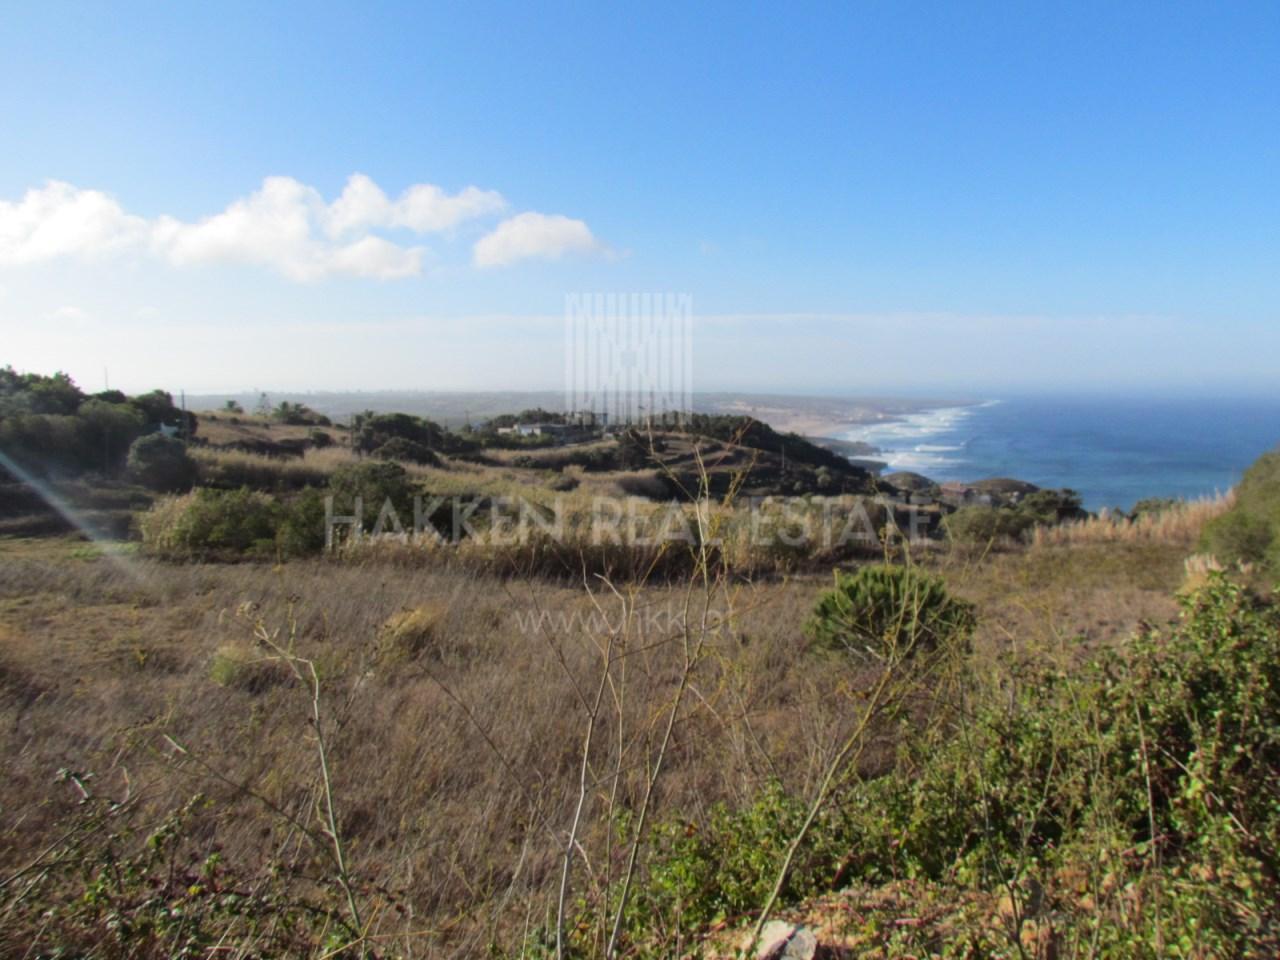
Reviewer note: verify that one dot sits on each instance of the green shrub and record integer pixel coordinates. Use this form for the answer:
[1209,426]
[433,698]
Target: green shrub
[299,415]
[889,612]
[47,443]
[1168,748]
[983,525]
[376,483]
[1013,520]
[158,410]
[208,522]
[34,393]
[1052,506]
[301,528]
[110,430]
[1134,798]
[162,463]
[725,865]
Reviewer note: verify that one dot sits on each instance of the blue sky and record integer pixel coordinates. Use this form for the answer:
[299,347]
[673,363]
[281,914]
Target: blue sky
[864,197]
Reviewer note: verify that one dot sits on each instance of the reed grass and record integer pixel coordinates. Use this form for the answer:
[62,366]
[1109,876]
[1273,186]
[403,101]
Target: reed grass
[1178,524]
[237,468]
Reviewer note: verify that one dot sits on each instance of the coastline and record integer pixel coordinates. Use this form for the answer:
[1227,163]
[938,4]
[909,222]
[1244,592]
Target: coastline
[835,419]
[919,442]
[1114,451]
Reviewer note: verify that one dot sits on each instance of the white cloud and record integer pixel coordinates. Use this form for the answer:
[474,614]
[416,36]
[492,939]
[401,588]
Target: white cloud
[534,235]
[279,227]
[59,219]
[285,226]
[423,208]
[362,204]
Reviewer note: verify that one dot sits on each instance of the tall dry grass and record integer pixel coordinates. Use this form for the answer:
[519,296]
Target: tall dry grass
[455,756]
[237,468]
[1179,524]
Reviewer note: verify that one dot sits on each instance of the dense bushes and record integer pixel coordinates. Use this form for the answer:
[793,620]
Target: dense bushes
[1150,776]
[301,528]
[228,523]
[373,430]
[982,524]
[209,522]
[531,415]
[49,425]
[1048,507]
[725,864]
[234,524]
[1131,806]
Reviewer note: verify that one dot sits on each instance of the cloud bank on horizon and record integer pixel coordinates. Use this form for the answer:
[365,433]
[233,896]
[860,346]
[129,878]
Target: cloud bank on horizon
[288,227]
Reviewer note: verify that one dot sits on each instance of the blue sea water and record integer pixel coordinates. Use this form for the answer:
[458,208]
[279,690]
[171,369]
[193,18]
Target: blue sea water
[1112,450]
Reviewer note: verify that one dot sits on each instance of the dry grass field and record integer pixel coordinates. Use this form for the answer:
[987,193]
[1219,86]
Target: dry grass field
[454,709]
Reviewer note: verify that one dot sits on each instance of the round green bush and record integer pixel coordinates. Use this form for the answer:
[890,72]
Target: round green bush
[889,612]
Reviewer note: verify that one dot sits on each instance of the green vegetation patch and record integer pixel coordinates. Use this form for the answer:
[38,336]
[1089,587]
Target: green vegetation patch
[1250,531]
[1128,808]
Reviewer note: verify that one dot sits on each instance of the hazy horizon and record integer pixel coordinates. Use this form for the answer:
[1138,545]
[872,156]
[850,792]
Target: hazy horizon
[873,356]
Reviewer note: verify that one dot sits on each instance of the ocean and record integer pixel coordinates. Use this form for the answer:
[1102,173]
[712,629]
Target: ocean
[1113,451]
